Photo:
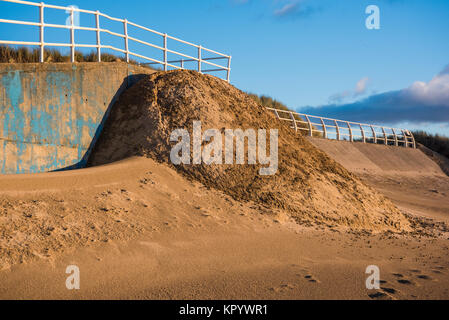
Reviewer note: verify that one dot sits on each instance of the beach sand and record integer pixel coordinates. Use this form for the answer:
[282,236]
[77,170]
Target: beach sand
[165,237]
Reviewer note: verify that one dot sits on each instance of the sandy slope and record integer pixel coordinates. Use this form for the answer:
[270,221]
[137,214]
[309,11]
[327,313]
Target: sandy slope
[422,196]
[170,238]
[308,186]
[142,228]
[411,179]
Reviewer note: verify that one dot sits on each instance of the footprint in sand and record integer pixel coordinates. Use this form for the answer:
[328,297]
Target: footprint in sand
[287,286]
[283,288]
[385,293]
[437,271]
[311,279]
[398,275]
[380,296]
[389,290]
[304,272]
[414,273]
[424,277]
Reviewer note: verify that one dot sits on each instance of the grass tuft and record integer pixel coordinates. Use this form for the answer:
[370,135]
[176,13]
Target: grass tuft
[269,102]
[28,55]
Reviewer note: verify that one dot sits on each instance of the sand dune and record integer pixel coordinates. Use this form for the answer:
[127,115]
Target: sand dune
[309,186]
[162,236]
[140,228]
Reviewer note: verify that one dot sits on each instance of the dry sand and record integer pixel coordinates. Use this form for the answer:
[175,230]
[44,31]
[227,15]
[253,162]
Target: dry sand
[140,228]
[309,186]
[414,181]
[160,236]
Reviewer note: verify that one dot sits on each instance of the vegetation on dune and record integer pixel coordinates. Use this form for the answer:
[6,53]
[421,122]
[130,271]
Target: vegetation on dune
[27,55]
[269,102]
[434,142]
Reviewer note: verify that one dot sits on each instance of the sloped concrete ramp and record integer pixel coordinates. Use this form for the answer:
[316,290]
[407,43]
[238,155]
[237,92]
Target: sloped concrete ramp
[408,177]
[374,159]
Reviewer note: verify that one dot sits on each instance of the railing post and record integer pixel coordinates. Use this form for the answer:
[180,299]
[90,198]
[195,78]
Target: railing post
[228,76]
[72,35]
[97,20]
[125,27]
[182,63]
[385,136]
[363,134]
[351,136]
[396,141]
[199,59]
[165,52]
[277,114]
[405,139]
[413,139]
[374,135]
[337,127]
[324,128]
[295,125]
[41,33]
[310,126]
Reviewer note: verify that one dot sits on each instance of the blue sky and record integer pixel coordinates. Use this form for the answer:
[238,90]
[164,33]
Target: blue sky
[313,55]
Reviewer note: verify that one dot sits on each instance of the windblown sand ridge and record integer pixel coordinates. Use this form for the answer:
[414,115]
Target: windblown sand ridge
[146,229]
[309,186]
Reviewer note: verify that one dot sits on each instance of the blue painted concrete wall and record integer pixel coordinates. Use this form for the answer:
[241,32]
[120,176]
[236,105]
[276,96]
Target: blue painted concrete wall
[51,114]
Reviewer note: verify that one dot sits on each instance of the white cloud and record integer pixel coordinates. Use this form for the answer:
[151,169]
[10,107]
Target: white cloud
[359,90]
[287,9]
[422,103]
[434,92]
[293,9]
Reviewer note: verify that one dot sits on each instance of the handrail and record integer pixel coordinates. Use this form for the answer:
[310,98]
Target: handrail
[125,36]
[354,131]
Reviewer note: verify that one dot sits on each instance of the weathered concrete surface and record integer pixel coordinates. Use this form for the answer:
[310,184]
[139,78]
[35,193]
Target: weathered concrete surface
[51,114]
[367,158]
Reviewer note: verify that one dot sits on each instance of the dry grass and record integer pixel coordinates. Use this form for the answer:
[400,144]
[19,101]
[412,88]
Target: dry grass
[269,102]
[27,55]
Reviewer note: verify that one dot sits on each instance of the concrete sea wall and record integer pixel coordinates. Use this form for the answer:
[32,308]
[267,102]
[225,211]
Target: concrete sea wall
[52,114]
[377,159]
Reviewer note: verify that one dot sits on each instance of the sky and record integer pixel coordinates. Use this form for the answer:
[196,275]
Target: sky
[316,56]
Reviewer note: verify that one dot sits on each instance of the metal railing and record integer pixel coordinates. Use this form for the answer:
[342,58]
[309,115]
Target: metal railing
[125,36]
[346,130]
